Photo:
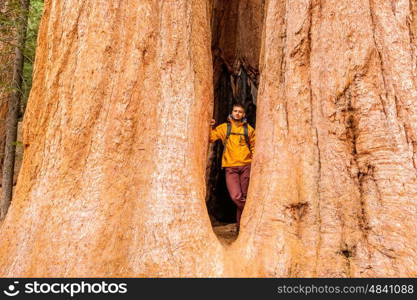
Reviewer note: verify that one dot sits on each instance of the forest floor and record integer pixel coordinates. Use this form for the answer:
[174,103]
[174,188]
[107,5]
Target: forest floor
[226,232]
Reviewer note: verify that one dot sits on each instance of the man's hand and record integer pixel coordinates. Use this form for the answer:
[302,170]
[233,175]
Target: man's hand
[212,122]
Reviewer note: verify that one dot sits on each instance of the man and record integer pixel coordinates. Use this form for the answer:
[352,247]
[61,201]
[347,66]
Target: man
[237,155]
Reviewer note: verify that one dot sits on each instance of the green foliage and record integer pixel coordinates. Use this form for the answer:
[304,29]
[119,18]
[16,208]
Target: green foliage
[35,13]
[8,26]
[17,143]
[8,14]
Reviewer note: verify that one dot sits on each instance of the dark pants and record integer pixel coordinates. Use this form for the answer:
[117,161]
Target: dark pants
[237,181]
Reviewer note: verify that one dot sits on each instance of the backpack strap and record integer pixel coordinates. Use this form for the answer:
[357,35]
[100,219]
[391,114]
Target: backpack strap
[229,130]
[246,131]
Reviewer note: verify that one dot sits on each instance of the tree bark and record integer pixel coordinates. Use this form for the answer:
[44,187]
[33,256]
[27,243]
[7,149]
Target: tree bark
[13,111]
[116,136]
[334,188]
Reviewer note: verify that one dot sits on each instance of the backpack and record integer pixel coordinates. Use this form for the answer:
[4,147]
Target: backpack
[245,130]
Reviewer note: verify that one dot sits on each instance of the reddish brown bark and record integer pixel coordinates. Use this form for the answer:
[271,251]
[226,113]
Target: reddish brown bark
[116,133]
[334,184]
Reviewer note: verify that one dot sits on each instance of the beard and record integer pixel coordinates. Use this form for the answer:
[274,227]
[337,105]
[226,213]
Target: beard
[234,119]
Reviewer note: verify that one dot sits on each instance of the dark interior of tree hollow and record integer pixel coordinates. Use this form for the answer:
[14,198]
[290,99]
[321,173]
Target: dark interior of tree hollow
[235,26]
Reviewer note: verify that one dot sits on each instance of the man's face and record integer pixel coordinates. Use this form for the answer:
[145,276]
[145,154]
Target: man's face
[238,113]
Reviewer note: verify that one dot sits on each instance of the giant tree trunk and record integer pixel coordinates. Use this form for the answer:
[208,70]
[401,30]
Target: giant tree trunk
[116,133]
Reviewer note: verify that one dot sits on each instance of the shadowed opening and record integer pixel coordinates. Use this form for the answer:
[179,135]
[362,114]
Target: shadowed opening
[235,25]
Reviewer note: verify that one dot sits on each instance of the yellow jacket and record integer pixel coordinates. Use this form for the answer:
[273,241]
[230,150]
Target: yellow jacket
[236,151]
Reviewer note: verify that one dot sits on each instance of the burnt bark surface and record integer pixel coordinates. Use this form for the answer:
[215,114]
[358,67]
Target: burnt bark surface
[112,182]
